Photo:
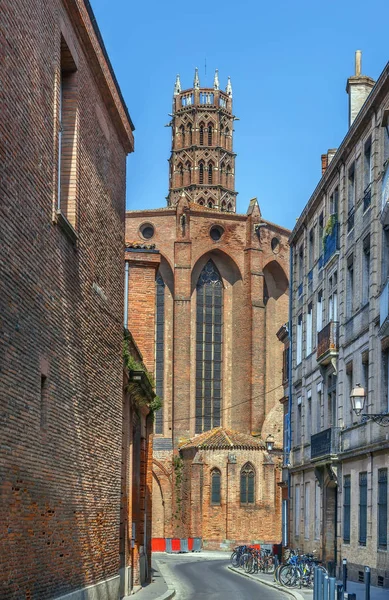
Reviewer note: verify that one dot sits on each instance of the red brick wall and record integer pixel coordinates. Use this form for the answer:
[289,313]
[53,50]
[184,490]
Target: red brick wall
[61,317]
[255,307]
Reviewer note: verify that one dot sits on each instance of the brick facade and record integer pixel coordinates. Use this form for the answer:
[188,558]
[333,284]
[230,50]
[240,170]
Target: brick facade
[250,256]
[61,304]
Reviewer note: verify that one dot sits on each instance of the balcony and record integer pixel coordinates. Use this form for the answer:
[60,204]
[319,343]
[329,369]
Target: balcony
[385,198]
[328,343]
[384,311]
[325,444]
[331,243]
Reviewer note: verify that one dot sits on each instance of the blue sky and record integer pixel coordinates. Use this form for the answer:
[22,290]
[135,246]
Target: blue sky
[288,62]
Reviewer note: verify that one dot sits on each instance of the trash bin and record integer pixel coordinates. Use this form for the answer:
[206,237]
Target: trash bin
[168,545]
[196,544]
[184,545]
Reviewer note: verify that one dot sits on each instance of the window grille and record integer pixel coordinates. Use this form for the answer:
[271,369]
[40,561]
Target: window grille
[247,484]
[210,174]
[215,486]
[209,329]
[362,508]
[201,174]
[201,135]
[383,508]
[346,508]
[209,135]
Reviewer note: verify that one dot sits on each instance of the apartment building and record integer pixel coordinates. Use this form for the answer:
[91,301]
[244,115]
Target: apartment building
[338,461]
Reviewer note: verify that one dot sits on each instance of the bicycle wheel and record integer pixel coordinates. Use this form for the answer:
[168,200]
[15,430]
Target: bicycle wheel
[235,559]
[248,565]
[289,575]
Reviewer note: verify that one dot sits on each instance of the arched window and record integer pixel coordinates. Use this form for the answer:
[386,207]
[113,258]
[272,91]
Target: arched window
[188,173]
[227,138]
[201,202]
[228,175]
[159,346]
[201,134]
[190,133]
[182,131]
[210,204]
[180,174]
[247,484]
[201,172]
[209,318]
[223,205]
[215,486]
[210,173]
[210,135]
[229,207]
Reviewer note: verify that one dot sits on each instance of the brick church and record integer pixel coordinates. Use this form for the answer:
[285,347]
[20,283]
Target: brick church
[207,293]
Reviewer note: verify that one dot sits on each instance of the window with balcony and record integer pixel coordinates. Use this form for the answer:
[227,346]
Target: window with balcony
[331,400]
[346,508]
[350,286]
[362,521]
[334,202]
[382,509]
[319,311]
[367,175]
[299,340]
[366,270]
[318,407]
[333,297]
[309,329]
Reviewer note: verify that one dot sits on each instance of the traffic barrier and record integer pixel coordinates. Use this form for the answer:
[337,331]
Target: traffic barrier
[184,545]
[169,545]
[176,545]
[196,544]
[158,545]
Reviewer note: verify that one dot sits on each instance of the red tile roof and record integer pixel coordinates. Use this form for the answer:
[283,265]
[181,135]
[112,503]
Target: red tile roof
[220,438]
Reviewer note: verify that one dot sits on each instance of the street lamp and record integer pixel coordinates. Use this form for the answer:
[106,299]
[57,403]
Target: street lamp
[269,442]
[357,398]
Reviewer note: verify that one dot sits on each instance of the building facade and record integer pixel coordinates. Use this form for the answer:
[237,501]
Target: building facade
[207,292]
[65,134]
[338,461]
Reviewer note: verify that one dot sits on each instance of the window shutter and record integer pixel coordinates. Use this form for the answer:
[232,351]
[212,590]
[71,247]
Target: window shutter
[383,508]
[362,508]
[346,508]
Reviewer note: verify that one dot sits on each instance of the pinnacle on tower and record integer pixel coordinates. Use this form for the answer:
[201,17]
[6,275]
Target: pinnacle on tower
[216,84]
[196,82]
[177,86]
[229,87]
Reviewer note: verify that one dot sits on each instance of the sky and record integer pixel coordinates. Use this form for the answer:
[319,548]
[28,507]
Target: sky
[289,62]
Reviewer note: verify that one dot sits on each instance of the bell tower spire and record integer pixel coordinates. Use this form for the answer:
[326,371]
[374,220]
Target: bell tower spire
[177,86]
[202,161]
[196,81]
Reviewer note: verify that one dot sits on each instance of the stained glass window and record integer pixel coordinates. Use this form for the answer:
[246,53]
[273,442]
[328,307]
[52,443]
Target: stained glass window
[159,346]
[209,330]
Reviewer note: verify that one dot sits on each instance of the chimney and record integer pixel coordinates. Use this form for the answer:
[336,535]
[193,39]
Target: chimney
[358,88]
[326,159]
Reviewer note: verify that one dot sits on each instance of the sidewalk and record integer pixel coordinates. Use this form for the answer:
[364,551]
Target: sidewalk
[158,589]
[307,594]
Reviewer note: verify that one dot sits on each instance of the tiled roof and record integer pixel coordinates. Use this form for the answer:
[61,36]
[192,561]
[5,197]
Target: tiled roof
[219,438]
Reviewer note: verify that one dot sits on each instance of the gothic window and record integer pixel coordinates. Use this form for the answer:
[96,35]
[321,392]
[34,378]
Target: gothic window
[228,175]
[227,142]
[247,484]
[210,204]
[187,174]
[215,486]
[190,133]
[159,346]
[210,173]
[201,135]
[209,326]
[201,202]
[229,207]
[223,205]
[180,175]
[210,135]
[201,173]
[182,131]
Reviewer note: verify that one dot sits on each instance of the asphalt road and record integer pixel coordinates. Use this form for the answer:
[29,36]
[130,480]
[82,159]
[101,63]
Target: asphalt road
[201,579]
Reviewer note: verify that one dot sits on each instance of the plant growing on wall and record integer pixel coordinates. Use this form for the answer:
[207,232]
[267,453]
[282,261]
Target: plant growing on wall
[329,228]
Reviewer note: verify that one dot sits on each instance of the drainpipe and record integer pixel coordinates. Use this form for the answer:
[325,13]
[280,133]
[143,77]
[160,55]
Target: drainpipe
[290,387]
[126,274]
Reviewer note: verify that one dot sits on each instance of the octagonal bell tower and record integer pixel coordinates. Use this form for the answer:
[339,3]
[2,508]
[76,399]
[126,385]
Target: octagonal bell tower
[202,161]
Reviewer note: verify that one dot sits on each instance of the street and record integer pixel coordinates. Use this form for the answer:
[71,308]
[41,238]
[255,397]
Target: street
[195,578]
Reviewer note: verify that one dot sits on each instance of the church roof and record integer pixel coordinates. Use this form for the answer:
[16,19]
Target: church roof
[221,438]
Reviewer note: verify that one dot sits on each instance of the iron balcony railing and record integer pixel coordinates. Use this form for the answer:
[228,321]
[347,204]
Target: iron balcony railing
[331,243]
[325,443]
[328,341]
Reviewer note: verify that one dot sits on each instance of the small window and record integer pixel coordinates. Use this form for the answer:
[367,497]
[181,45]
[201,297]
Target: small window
[201,173]
[215,486]
[147,231]
[275,245]
[247,484]
[216,232]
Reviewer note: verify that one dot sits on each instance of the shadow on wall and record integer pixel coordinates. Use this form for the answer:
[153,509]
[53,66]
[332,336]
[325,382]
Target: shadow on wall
[276,281]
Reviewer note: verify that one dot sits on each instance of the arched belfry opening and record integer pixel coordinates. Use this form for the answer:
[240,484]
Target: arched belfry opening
[209,329]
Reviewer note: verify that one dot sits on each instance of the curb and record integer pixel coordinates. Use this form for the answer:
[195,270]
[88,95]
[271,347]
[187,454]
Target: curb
[171,592]
[281,588]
